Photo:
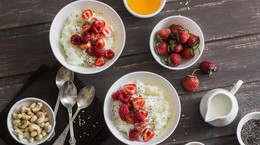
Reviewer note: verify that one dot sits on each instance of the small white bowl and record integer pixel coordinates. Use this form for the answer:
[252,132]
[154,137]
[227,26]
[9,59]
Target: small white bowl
[29,101]
[144,16]
[194,143]
[187,23]
[61,17]
[252,115]
[150,78]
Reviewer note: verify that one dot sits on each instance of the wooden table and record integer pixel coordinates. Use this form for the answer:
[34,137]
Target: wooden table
[232,40]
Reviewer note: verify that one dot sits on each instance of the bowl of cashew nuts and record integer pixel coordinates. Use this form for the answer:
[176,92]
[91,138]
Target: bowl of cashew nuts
[31,121]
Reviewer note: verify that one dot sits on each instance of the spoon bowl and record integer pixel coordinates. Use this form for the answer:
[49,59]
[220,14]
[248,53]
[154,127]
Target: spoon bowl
[64,75]
[68,94]
[85,97]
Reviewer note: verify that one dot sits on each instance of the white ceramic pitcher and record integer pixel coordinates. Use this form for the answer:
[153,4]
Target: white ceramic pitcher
[215,114]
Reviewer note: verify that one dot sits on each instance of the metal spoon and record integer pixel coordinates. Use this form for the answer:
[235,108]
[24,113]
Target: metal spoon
[85,98]
[68,94]
[62,76]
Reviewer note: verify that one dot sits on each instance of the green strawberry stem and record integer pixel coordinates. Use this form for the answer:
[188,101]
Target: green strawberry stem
[192,75]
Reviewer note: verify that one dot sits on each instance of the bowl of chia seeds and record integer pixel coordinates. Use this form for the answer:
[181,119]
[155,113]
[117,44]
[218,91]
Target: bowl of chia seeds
[248,129]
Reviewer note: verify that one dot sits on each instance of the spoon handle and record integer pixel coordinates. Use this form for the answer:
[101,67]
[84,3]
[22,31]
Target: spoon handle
[72,140]
[55,113]
[61,139]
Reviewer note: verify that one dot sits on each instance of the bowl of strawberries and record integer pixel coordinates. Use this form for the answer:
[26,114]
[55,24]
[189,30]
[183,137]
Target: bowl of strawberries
[176,42]
[87,37]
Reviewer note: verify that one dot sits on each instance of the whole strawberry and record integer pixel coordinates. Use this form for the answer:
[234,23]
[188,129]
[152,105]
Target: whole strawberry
[208,67]
[164,33]
[182,36]
[193,40]
[174,29]
[162,48]
[175,46]
[174,60]
[190,82]
[187,53]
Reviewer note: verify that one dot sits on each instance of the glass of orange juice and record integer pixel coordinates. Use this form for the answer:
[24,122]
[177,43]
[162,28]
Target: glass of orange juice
[144,8]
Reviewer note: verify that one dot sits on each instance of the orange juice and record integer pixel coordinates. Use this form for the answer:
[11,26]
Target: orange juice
[144,7]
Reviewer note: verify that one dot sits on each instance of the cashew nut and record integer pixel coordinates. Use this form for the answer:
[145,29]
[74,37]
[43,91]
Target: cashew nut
[41,124]
[25,108]
[17,132]
[17,116]
[46,124]
[31,139]
[41,117]
[24,124]
[33,133]
[46,119]
[34,118]
[34,127]
[16,122]
[47,128]
[30,113]
[32,105]
[45,113]
[20,136]
[39,137]
[26,129]
[25,116]
[38,107]
[44,133]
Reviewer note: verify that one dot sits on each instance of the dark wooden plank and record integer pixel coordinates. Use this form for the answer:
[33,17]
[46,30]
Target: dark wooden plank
[214,17]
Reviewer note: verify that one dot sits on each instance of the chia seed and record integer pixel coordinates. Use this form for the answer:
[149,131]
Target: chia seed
[250,132]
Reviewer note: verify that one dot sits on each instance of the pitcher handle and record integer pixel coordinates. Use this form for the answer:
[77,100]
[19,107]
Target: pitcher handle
[236,87]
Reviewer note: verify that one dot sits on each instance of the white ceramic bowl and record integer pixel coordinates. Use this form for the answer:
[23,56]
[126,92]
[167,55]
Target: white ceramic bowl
[187,23]
[61,17]
[253,115]
[29,101]
[144,16]
[194,143]
[150,78]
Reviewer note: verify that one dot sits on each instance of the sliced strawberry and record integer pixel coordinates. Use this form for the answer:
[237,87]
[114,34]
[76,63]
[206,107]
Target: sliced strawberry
[94,36]
[101,22]
[147,134]
[130,117]
[86,45]
[130,102]
[130,89]
[100,43]
[123,118]
[106,31]
[99,61]
[144,112]
[142,125]
[87,15]
[86,27]
[138,103]
[94,20]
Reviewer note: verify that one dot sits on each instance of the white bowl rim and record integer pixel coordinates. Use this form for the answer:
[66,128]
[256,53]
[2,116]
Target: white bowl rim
[240,124]
[194,142]
[144,16]
[64,63]
[151,73]
[152,48]
[10,115]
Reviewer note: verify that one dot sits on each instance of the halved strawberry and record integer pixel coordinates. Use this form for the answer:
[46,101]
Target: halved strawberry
[130,117]
[86,27]
[87,15]
[100,43]
[94,36]
[99,61]
[142,125]
[130,89]
[144,112]
[147,134]
[94,20]
[130,102]
[138,103]
[123,118]
[101,22]
[86,45]
[106,31]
